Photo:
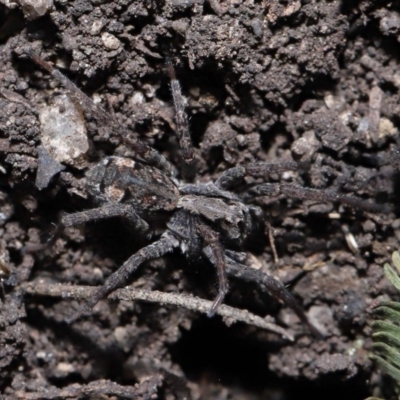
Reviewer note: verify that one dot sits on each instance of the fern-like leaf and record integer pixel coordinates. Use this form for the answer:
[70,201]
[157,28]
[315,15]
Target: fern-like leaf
[386,328]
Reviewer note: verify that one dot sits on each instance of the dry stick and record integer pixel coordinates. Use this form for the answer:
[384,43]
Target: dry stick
[272,243]
[229,314]
[145,389]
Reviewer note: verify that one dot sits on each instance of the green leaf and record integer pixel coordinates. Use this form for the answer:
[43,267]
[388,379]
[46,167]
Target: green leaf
[386,330]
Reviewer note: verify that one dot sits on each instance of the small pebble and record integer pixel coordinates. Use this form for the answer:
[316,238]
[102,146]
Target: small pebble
[64,131]
[33,9]
[110,41]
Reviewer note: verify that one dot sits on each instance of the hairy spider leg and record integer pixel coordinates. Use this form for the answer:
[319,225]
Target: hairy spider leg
[155,250]
[234,176]
[211,238]
[298,192]
[182,125]
[272,286]
[107,211]
[142,150]
[95,214]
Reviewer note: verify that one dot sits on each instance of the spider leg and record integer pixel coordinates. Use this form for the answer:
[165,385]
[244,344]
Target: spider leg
[207,190]
[155,250]
[218,259]
[272,286]
[235,175]
[141,149]
[106,211]
[298,192]
[182,125]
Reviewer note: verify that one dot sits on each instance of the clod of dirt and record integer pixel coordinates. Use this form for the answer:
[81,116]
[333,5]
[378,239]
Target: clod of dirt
[306,146]
[390,24]
[334,363]
[330,130]
[221,135]
[386,128]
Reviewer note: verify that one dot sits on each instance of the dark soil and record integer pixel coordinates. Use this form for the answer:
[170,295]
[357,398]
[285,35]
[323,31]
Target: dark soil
[314,81]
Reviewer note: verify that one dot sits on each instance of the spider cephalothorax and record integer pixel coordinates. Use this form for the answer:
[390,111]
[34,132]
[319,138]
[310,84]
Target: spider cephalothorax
[201,219]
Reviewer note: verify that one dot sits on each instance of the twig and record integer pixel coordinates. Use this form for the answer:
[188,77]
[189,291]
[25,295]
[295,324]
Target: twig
[375,103]
[144,390]
[272,243]
[229,314]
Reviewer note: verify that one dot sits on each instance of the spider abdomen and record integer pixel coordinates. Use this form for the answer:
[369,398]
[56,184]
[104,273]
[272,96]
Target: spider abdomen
[119,179]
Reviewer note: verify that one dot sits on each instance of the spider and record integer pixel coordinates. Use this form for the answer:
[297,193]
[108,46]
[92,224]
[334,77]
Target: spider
[211,220]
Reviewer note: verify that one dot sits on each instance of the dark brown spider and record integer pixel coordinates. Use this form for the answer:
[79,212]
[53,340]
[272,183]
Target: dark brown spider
[205,219]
